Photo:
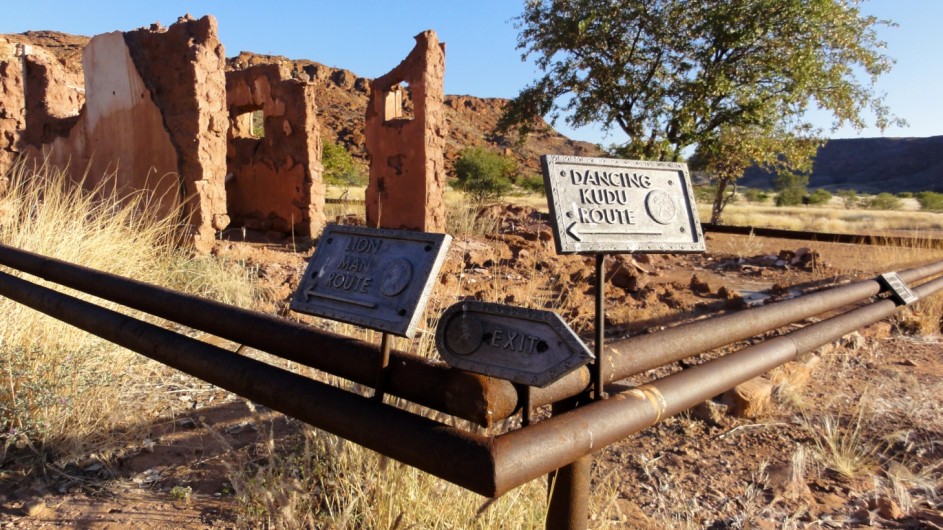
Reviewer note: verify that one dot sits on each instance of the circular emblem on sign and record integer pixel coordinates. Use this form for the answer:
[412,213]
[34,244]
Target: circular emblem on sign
[396,277]
[661,207]
[463,334]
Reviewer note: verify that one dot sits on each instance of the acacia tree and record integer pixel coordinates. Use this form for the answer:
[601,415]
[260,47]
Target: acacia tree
[678,73]
[726,155]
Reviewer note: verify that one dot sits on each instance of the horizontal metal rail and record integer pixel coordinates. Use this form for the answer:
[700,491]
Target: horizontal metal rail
[531,452]
[476,398]
[827,237]
[411,377]
[409,438]
[488,465]
[637,354]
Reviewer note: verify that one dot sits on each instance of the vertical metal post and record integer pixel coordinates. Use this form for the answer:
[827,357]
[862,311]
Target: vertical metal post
[598,370]
[568,487]
[382,368]
[524,392]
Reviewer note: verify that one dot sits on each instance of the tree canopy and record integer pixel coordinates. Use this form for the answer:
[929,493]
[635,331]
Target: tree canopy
[734,78]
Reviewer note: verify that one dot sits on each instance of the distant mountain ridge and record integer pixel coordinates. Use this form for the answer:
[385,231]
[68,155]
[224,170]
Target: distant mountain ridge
[871,165]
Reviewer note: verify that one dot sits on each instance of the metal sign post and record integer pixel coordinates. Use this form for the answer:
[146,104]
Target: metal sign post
[606,206]
[375,278]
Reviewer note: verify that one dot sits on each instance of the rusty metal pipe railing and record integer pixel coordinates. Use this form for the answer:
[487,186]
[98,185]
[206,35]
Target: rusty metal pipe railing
[644,352]
[489,466]
[454,455]
[479,399]
[526,454]
[475,398]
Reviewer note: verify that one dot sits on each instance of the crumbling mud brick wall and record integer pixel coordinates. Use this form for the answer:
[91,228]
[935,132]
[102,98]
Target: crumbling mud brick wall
[406,144]
[119,135]
[12,103]
[55,96]
[41,91]
[154,122]
[183,67]
[274,174]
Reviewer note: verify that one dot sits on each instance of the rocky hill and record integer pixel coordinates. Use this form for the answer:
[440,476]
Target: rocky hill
[871,165]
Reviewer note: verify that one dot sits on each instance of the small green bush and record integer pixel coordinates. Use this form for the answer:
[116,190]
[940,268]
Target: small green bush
[755,195]
[819,196]
[930,201]
[905,195]
[531,183]
[340,168]
[790,197]
[705,194]
[484,174]
[884,201]
[849,198]
[791,188]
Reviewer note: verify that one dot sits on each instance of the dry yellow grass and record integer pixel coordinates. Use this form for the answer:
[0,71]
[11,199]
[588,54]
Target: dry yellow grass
[827,218]
[60,388]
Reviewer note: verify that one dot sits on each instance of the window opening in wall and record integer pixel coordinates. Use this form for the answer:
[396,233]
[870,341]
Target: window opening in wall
[249,124]
[397,104]
[258,124]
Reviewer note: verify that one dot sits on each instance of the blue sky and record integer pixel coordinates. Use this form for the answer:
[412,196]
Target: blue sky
[370,37]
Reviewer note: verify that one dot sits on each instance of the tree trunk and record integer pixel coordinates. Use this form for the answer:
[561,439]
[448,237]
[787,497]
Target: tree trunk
[719,202]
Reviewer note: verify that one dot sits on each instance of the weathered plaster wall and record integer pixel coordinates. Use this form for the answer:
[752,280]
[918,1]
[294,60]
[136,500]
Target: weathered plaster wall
[407,168]
[183,68]
[120,136]
[275,180]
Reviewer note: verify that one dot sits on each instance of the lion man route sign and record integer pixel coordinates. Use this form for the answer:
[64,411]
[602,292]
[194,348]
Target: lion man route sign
[601,205]
[371,277]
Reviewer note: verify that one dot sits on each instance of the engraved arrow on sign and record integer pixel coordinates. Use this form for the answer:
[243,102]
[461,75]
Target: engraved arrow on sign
[309,292]
[575,230]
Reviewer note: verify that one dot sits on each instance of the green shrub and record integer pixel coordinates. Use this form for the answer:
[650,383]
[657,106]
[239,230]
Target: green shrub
[930,201]
[705,194]
[755,195]
[884,201]
[483,174]
[340,168]
[819,196]
[905,195]
[531,183]
[848,197]
[791,187]
[790,197]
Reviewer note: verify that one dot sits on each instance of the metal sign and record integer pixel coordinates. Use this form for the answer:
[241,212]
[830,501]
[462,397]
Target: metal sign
[372,277]
[901,294]
[601,205]
[526,346]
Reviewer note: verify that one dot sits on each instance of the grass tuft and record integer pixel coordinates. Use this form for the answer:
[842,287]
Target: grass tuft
[61,389]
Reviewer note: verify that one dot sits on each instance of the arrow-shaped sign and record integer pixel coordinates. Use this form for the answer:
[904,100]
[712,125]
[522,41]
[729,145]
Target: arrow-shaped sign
[526,346]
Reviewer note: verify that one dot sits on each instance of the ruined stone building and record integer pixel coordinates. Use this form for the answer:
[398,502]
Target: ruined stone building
[154,111]
[406,143]
[150,111]
[275,172]
[148,115]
